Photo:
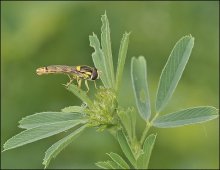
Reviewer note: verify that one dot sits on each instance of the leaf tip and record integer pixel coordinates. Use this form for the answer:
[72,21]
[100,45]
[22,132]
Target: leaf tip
[20,126]
[191,38]
[3,150]
[105,13]
[127,33]
[104,16]
[45,163]
[108,154]
[5,147]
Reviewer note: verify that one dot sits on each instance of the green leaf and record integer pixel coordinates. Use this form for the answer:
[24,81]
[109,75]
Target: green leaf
[80,94]
[125,146]
[113,165]
[99,61]
[140,87]
[143,159]
[119,161]
[106,48]
[173,70]
[128,120]
[104,165]
[72,109]
[37,133]
[107,165]
[56,148]
[46,118]
[121,58]
[186,117]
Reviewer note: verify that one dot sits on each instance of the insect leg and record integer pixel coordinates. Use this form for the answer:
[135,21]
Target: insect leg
[79,81]
[87,86]
[95,85]
[69,76]
[70,81]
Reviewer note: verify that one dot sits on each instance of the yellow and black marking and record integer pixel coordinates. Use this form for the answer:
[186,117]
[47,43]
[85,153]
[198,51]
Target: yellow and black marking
[77,73]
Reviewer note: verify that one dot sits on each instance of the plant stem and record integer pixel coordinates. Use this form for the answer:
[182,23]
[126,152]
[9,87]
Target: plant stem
[145,133]
[148,125]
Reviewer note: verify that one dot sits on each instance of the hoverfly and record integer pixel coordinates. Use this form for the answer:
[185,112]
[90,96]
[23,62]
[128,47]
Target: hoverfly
[77,73]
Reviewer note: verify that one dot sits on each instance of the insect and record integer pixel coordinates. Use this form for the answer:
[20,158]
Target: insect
[77,73]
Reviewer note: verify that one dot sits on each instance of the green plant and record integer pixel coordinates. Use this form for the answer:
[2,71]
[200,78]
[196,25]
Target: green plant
[104,112]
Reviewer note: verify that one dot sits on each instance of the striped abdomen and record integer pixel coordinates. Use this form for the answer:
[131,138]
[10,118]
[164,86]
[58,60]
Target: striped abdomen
[56,69]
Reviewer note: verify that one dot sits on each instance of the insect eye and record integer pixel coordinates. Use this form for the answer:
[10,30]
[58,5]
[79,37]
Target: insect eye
[95,74]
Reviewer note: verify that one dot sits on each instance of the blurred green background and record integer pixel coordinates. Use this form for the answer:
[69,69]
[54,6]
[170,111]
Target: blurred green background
[35,34]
